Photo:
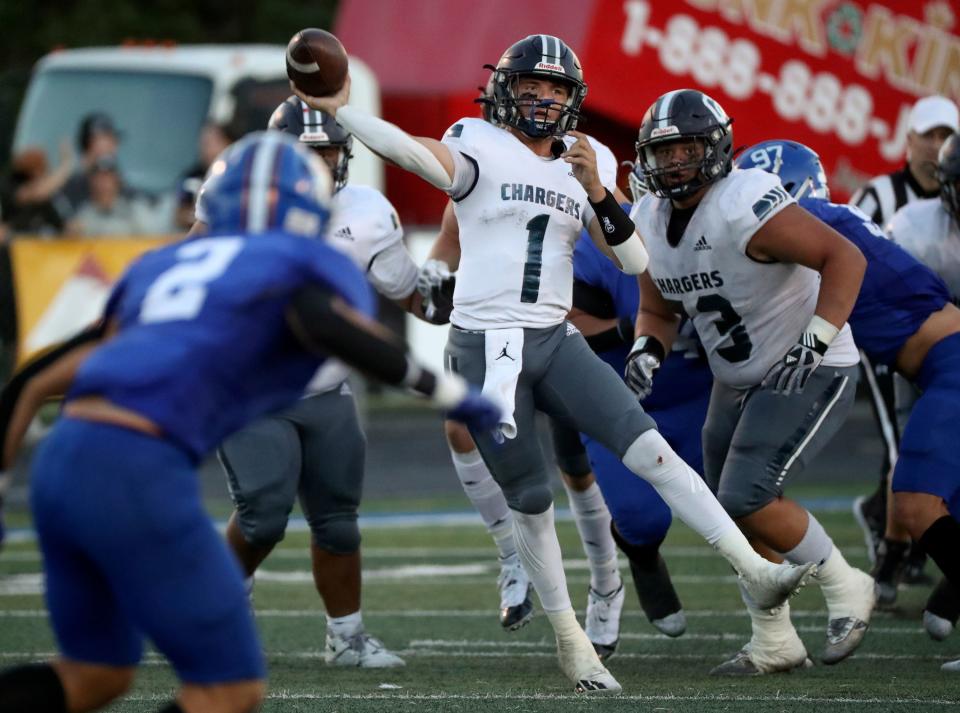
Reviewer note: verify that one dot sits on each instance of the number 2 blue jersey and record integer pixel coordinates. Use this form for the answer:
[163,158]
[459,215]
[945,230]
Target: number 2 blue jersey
[685,374]
[203,345]
[898,293]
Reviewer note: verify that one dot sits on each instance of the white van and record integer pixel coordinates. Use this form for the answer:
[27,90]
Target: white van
[160,96]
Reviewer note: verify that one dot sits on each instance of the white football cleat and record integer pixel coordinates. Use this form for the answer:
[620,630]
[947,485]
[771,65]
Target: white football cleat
[747,661]
[516,606]
[846,628]
[673,625]
[360,650]
[580,663]
[937,627]
[775,583]
[603,620]
[951,666]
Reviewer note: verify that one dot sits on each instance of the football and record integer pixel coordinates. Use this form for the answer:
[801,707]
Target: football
[316,62]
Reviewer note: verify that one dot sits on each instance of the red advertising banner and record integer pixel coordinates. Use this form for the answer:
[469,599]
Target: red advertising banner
[837,75]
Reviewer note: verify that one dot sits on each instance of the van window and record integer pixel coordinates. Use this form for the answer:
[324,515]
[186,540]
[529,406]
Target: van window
[160,116]
[255,100]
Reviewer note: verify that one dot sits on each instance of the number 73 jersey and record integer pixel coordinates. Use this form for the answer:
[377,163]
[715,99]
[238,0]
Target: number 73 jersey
[747,313]
[519,215]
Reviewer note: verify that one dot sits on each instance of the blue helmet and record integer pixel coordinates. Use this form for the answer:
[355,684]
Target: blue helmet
[265,182]
[797,166]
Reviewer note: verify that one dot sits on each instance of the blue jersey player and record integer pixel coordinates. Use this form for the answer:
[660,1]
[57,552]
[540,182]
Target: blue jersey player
[903,317]
[199,337]
[605,302]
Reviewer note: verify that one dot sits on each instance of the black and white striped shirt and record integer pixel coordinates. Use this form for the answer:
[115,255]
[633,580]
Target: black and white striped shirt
[884,195]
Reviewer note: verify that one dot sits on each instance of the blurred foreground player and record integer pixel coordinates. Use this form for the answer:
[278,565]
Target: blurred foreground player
[197,339]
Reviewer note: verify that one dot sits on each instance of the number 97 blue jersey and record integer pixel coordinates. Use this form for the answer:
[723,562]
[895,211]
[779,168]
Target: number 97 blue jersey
[203,344]
[898,293]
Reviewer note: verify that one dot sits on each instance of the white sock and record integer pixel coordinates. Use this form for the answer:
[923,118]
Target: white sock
[345,625]
[652,458]
[834,577]
[815,546]
[772,633]
[592,517]
[487,498]
[539,551]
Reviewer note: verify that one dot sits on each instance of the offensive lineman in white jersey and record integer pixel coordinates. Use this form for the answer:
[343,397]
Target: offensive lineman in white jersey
[315,450]
[520,210]
[734,252]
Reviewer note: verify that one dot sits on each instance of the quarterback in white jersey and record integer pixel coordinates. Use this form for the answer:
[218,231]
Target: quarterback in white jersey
[528,212]
[732,250]
[606,592]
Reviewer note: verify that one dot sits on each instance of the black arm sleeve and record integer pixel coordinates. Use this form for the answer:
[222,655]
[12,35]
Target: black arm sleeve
[11,392]
[614,222]
[319,326]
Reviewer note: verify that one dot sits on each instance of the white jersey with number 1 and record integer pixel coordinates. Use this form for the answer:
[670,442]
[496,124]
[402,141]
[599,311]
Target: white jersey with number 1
[519,215]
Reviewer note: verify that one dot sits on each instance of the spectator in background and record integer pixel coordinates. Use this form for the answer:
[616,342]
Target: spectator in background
[108,210]
[214,138]
[30,197]
[932,120]
[97,138]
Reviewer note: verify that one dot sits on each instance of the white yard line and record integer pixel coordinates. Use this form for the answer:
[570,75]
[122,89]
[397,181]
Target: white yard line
[153,659]
[281,695]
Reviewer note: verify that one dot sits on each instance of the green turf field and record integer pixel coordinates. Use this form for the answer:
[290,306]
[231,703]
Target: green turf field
[429,593]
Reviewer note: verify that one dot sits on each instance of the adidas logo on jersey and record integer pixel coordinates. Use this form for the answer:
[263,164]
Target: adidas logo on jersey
[701,244]
[345,233]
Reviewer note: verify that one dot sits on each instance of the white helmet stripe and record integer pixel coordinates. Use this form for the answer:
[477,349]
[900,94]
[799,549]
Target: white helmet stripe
[543,49]
[663,109]
[261,174]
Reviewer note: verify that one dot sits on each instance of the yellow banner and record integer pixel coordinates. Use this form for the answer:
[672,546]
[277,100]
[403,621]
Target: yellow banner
[62,285]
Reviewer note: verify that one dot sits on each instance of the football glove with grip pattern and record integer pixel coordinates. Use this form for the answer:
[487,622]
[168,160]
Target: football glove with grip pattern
[642,362]
[790,374]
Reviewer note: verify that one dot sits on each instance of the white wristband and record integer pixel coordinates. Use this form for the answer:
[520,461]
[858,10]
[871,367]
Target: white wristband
[394,143]
[821,329]
[632,255]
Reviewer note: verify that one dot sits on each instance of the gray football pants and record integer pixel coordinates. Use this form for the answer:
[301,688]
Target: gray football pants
[754,440]
[315,450]
[563,378]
